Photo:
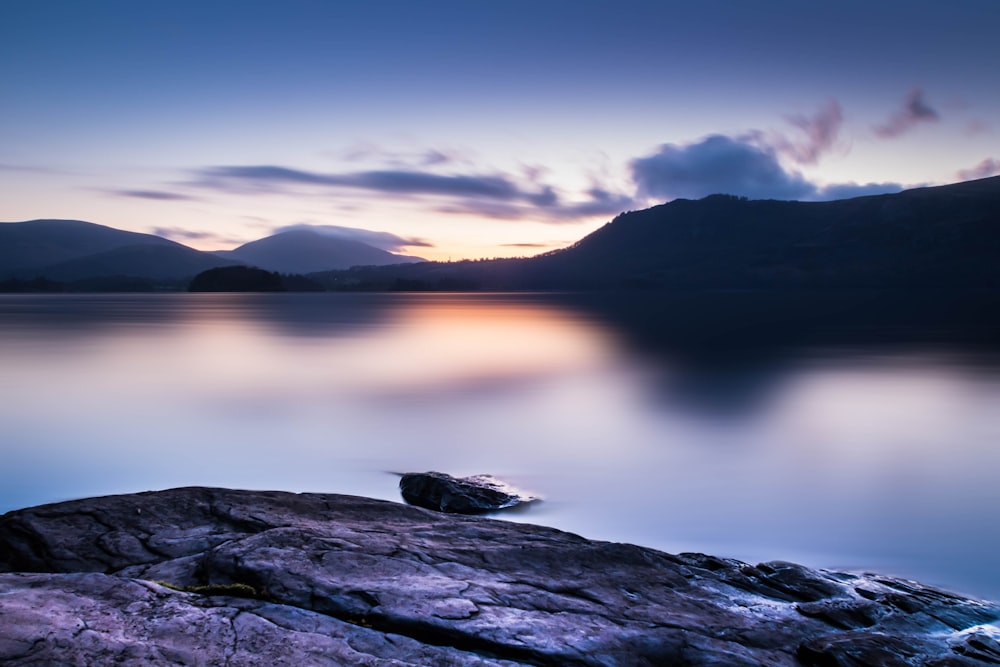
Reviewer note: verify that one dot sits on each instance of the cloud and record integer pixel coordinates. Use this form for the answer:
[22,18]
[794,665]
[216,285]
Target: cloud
[497,187]
[821,131]
[717,164]
[382,240]
[985,169]
[434,157]
[751,164]
[28,169]
[756,164]
[159,195]
[915,111]
[426,183]
[817,135]
[977,127]
[720,164]
[180,234]
[370,152]
[494,195]
[598,203]
[851,190]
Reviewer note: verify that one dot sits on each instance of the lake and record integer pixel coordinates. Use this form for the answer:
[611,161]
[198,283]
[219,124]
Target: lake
[872,452]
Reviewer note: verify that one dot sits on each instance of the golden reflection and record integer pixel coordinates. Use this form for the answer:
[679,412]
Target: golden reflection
[437,343]
[451,343]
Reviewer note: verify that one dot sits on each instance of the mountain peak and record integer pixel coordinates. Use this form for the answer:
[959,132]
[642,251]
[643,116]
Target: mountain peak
[310,251]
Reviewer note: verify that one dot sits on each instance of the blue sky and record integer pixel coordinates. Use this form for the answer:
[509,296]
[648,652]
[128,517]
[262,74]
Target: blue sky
[474,128]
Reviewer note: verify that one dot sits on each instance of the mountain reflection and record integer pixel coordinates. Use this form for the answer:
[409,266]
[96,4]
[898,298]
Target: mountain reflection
[726,352]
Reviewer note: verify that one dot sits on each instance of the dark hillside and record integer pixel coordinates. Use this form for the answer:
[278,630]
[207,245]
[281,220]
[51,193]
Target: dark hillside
[25,246]
[946,236]
[943,238]
[149,261]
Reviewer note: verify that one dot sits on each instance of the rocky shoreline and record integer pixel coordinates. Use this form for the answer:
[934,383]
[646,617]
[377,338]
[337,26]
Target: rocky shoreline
[202,576]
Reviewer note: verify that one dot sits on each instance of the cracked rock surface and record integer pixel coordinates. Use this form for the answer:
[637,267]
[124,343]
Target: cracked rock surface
[329,579]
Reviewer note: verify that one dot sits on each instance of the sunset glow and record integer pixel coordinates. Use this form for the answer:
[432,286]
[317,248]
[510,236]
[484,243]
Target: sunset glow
[468,130]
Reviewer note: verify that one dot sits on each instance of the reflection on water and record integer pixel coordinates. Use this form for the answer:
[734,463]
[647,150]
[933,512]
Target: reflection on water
[873,455]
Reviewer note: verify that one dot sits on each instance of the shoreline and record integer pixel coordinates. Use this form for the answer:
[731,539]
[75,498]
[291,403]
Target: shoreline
[326,574]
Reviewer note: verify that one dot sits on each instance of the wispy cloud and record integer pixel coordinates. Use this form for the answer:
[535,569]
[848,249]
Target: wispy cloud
[371,153]
[494,195]
[29,169]
[814,135]
[851,190]
[977,127]
[382,240]
[985,169]
[915,110]
[760,164]
[820,134]
[498,187]
[599,202]
[558,212]
[433,157]
[180,235]
[160,195]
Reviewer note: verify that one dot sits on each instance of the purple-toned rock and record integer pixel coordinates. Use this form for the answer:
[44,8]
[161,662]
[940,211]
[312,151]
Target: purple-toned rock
[478,494]
[201,576]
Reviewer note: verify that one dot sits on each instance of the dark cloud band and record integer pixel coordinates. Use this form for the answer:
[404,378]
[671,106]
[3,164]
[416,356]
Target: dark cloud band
[492,195]
[159,195]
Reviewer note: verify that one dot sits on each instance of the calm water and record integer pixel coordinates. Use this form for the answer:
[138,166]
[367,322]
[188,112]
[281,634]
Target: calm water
[866,458]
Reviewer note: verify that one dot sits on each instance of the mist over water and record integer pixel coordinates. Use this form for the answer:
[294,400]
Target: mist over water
[863,456]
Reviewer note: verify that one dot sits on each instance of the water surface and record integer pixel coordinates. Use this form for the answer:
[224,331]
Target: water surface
[880,457]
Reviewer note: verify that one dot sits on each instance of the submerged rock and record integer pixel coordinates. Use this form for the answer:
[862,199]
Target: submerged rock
[201,576]
[460,495]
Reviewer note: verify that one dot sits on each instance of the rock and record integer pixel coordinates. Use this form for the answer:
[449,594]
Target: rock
[459,495]
[211,576]
[97,619]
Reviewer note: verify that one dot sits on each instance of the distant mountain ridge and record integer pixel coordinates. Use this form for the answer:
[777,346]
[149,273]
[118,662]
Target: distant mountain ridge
[151,261]
[936,237]
[81,252]
[27,246]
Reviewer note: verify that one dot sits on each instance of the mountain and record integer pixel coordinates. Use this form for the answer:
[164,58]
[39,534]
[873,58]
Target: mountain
[307,251]
[27,246]
[174,262]
[88,254]
[936,237]
[945,236]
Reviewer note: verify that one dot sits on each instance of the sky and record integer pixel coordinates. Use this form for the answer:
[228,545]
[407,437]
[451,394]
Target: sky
[478,128]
